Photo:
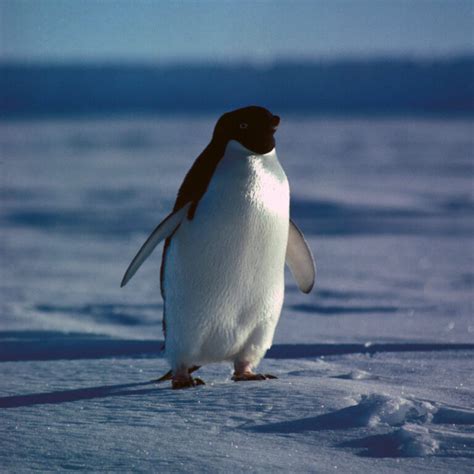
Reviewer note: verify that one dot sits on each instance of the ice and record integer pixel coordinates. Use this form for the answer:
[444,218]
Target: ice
[374,366]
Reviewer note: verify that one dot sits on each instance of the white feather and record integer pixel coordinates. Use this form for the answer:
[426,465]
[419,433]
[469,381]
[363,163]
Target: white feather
[224,269]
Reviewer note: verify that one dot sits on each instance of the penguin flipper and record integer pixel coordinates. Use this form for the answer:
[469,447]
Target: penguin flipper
[300,259]
[164,230]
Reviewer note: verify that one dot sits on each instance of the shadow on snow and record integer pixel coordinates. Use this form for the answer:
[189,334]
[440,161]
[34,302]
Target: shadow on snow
[52,345]
[63,396]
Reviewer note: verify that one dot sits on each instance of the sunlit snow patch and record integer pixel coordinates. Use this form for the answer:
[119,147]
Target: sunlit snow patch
[376,409]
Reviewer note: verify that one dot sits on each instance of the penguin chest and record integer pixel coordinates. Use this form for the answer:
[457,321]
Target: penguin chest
[224,272]
[241,225]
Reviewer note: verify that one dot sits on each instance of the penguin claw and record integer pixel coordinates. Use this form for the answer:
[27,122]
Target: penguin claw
[251,376]
[169,375]
[177,384]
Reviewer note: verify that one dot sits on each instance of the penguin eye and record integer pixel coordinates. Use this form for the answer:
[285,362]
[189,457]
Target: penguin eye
[243,125]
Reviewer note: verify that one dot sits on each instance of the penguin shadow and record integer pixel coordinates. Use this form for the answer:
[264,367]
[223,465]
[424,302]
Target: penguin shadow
[74,395]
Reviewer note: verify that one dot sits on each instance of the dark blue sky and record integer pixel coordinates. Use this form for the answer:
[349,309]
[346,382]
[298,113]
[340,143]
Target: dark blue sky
[138,30]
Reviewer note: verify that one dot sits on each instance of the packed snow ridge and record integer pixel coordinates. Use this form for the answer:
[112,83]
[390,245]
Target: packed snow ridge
[380,409]
[414,419]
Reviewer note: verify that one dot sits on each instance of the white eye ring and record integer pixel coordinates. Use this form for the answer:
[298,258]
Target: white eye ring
[243,125]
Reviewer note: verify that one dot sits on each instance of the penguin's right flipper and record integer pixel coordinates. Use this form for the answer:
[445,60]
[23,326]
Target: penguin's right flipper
[164,230]
[300,259]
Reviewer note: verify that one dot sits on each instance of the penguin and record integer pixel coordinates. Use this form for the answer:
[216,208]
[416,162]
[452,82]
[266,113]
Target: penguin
[226,243]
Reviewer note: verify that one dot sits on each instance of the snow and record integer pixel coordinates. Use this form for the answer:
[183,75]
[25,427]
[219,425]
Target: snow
[374,366]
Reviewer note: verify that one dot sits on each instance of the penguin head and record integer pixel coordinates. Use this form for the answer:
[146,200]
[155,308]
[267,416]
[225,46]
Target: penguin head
[253,127]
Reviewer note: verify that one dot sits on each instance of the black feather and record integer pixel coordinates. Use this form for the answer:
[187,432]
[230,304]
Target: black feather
[193,188]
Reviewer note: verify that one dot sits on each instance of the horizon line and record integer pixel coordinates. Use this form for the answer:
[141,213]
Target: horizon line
[244,61]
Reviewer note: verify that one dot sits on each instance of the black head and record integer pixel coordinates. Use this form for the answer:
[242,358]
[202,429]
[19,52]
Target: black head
[252,126]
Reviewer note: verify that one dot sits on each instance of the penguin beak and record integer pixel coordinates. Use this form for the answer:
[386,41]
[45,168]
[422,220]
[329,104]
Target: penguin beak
[275,122]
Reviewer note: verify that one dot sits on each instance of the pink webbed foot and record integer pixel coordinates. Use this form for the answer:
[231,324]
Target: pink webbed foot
[179,383]
[243,372]
[251,376]
[182,379]
[169,374]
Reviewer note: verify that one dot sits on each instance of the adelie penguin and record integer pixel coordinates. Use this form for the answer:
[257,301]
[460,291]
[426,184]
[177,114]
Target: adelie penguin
[226,243]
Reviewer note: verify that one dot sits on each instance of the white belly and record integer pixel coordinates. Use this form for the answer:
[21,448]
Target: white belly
[224,270]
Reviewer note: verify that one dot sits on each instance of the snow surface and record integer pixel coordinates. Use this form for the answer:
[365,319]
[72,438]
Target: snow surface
[375,366]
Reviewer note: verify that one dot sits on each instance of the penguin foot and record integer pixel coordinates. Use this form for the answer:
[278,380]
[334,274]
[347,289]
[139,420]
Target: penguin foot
[169,374]
[243,372]
[248,376]
[188,382]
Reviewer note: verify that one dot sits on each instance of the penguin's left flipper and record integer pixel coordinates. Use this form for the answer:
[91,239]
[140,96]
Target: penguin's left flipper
[161,232]
[300,259]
